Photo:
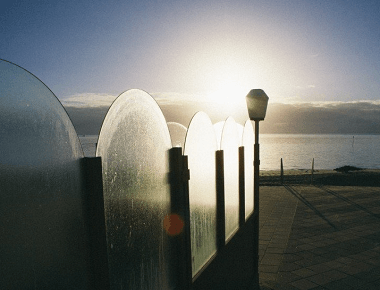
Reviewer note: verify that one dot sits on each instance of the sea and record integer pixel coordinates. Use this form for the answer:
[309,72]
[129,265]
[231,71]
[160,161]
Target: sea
[298,151]
[328,151]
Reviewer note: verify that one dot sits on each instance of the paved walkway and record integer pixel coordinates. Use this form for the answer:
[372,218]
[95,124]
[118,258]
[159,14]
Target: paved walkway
[324,237]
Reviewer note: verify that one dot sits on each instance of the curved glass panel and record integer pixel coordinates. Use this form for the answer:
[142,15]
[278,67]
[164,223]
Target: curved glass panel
[133,143]
[230,146]
[177,134]
[218,127]
[200,147]
[42,239]
[248,143]
[240,130]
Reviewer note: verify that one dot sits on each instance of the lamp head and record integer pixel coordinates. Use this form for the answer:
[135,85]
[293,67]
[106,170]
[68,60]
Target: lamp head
[257,102]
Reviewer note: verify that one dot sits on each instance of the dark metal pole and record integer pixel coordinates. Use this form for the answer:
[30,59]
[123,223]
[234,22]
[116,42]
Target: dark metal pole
[282,172]
[312,171]
[181,249]
[186,205]
[241,188]
[220,202]
[256,197]
[95,220]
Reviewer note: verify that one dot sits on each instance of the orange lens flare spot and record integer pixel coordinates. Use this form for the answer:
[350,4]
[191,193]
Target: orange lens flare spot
[173,224]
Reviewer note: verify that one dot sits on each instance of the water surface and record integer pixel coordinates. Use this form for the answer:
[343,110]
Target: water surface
[329,151]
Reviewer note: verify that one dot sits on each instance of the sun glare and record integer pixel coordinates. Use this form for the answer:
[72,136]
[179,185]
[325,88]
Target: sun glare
[228,95]
[226,77]
[228,83]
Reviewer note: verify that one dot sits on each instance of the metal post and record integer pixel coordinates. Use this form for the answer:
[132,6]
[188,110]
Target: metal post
[256,197]
[95,221]
[220,203]
[312,171]
[241,187]
[282,172]
[257,102]
[179,182]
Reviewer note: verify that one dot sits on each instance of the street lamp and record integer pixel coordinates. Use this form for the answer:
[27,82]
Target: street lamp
[257,102]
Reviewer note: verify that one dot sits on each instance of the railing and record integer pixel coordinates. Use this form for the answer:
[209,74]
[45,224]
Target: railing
[160,207]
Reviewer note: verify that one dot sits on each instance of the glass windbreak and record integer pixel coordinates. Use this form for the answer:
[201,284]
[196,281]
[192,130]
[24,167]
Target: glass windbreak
[230,146]
[240,130]
[42,240]
[200,147]
[133,143]
[218,128]
[177,134]
[248,143]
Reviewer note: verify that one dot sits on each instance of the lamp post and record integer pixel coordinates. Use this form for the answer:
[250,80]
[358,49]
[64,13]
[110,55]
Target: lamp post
[257,102]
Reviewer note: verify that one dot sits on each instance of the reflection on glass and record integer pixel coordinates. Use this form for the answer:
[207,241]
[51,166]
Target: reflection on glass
[177,134]
[42,240]
[248,143]
[230,146]
[134,143]
[200,147]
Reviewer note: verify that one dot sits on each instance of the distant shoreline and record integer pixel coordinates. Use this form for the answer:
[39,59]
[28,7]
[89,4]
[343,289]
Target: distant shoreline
[365,177]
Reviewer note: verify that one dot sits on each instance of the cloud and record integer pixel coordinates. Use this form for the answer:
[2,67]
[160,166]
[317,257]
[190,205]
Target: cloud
[92,100]
[88,100]
[171,98]
[356,117]
[87,120]
[373,104]
[87,112]
[181,108]
[305,87]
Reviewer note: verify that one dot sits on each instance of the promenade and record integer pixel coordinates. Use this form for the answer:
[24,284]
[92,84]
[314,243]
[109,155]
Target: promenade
[319,237]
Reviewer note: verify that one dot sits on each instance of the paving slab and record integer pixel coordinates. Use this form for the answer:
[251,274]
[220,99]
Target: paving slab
[319,237]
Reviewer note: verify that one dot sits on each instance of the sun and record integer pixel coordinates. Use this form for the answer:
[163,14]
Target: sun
[228,93]
[225,76]
[227,82]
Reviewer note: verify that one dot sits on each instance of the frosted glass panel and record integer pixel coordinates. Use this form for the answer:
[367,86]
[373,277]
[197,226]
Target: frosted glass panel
[218,127]
[42,223]
[230,146]
[248,143]
[240,129]
[177,134]
[200,147]
[134,143]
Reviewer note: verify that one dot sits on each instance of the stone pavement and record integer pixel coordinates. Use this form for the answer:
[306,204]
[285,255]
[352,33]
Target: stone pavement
[319,237]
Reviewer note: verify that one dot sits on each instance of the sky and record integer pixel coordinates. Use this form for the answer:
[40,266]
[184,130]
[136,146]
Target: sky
[320,55]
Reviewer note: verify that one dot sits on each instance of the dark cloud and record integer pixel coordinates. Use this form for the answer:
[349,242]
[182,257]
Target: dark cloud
[303,118]
[182,113]
[87,121]
[323,118]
